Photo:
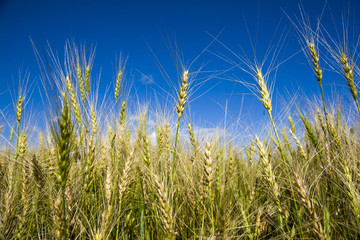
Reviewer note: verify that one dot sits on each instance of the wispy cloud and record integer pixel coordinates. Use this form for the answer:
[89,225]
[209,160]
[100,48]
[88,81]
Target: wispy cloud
[146,79]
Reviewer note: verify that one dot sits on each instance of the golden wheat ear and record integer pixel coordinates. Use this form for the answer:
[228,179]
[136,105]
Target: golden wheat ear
[265,95]
[182,94]
[165,208]
[180,107]
[309,206]
[270,179]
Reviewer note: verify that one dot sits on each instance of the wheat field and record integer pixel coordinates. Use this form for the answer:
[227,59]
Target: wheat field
[91,176]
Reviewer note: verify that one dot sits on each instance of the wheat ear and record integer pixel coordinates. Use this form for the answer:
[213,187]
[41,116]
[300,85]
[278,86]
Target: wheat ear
[349,76]
[74,102]
[180,107]
[266,100]
[299,145]
[81,82]
[63,139]
[117,86]
[309,206]
[123,184]
[193,141]
[208,172]
[165,208]
[351,191]
[19,109]
[11,134]
[269,177]
[89,168]
[87,79]
[123,113]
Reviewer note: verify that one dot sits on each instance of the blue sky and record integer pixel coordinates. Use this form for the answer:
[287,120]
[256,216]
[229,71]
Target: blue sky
[132,28]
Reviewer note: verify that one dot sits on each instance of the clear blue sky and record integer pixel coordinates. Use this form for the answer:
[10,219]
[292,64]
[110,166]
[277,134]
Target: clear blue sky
[131,27]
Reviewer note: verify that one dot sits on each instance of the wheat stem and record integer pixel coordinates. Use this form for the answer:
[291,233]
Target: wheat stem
[180,107]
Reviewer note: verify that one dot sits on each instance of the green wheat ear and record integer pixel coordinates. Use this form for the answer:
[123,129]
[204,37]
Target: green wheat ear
[81,82]
[87,79]
[315,60]
[349,76]
[62,136]
[19,109]
[64,144]
[117,87]
[75,105]
[11,134]
[123,113]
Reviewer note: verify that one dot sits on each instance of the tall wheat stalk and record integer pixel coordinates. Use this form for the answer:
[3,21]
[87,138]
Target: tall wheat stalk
[19,110]
[63,138]
[318,73]
[266,100]
[180,107]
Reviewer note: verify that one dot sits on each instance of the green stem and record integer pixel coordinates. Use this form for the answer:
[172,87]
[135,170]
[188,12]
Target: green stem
[16,155]
[278,139]
[326,115]
[174,153]
[142,216]
[31,222]
[64,213]
[357,105]
[118,222]
[323,100]
[287,170]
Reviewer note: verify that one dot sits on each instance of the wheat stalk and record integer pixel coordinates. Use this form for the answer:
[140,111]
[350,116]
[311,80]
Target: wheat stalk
[63,139]
[166,218]
[19,110]
[269,177]
[59,220]
[25,194]
[309,206]
[266,100]
[180,107]
[89,168]
[123,184]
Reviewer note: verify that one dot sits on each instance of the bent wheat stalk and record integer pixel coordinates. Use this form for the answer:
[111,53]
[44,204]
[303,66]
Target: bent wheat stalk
[266,100]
